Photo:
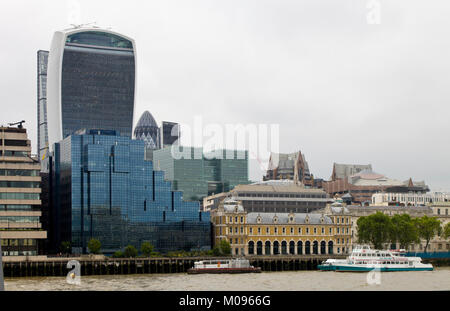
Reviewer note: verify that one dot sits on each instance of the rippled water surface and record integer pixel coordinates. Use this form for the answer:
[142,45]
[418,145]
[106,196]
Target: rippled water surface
[439,279]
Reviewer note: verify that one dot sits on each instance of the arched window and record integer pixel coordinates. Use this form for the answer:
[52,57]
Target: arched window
[259,248]
[276,248]
[284,247]
[315,247]
[299,247]
[307,247]
[291,247]
[267,248]
[330,247]
[251,248]
[323,246]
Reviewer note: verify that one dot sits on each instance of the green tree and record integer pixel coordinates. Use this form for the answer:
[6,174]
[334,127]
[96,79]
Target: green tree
[225,247]
[375,229]
[94,246]
[216,251]
[130,251]
[66,247]
[146,249]
[404,230]
[446,231]
[118,254]
[428,228]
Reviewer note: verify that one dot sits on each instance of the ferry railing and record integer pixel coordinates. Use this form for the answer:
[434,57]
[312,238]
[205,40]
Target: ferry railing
[429,255]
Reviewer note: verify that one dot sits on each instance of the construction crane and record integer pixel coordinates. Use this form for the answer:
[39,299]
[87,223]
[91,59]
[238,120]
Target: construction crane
[19,124]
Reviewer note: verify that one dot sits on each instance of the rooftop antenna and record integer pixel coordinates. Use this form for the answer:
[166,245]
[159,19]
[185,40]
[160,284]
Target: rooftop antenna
[19,124]
[86,24]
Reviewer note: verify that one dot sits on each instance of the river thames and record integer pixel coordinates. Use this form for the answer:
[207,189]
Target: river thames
[439,279]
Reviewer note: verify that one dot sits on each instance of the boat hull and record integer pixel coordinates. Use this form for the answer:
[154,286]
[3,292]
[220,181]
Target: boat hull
[368,269]
[224,270]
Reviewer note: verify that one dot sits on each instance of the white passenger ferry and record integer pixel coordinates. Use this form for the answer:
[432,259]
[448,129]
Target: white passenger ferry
[238,265]
[363,258]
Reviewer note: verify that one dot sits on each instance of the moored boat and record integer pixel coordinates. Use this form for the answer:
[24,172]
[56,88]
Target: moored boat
[237,265]
[365,259]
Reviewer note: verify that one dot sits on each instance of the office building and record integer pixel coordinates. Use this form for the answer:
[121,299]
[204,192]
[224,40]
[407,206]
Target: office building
[21,232]
[148,131]
[362,185]
[105,189]
[200,174]
[274,196]
[408,198]
[170,134]
[280,233]
[42,137]
[90,82]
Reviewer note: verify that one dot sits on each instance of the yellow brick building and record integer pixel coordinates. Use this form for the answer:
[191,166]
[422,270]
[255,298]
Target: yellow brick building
[280,233]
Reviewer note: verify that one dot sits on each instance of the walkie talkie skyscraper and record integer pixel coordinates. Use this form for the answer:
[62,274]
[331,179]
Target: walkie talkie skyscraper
[90,82]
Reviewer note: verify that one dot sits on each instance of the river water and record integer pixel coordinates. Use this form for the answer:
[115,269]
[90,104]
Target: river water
[439,279]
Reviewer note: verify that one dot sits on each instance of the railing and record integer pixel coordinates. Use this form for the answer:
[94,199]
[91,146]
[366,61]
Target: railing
[429,255]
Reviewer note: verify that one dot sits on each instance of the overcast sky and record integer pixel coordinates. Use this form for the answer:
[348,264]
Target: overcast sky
[342,89]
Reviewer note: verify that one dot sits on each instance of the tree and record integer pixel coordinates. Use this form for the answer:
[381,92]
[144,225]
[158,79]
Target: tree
[130,251]
[428,228]
[118,254]
[146,249]
[446,231]
[375,229]
[66,247]
[94,246]
[225,247]
[404,230]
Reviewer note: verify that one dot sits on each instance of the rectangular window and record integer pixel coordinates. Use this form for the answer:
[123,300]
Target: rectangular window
[267,230]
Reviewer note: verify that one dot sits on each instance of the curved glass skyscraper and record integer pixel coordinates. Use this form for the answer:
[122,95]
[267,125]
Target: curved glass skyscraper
[90,82]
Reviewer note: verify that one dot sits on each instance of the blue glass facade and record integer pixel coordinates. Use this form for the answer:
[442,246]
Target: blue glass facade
[104,189]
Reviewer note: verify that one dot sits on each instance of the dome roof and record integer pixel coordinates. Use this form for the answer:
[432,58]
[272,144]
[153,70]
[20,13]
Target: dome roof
[146,120]
[147,130]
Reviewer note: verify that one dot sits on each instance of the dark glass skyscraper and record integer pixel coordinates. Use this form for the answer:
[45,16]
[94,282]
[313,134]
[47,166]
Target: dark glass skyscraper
[42,138]
[91,82]
[104,189]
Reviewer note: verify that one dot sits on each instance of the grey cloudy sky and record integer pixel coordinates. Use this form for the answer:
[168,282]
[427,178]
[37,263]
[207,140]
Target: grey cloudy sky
[341,89]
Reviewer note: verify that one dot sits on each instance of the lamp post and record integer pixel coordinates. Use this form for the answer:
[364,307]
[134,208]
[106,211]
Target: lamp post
[2,282]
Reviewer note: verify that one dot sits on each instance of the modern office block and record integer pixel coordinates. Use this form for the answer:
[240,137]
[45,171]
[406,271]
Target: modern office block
[104,189]
[148,131]
[90,82]
[20,204]
[170,134]
[200,174]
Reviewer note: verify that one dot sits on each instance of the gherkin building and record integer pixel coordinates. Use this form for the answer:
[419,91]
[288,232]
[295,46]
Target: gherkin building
[148,131]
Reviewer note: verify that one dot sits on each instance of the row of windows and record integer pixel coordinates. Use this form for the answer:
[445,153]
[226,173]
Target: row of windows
[17,207]
[12,172]
[19,184]
[19,196]
[19,219]
[439,211]
[18,242]
[14,142]
[282,195]
[283,230]
[9,153]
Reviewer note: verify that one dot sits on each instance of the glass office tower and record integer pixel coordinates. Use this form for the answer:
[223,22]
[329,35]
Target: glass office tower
[104,189]
[91,82]
[42,138]
[199,175]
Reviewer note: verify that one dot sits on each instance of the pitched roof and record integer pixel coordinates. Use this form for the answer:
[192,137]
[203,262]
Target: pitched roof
[283,218]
